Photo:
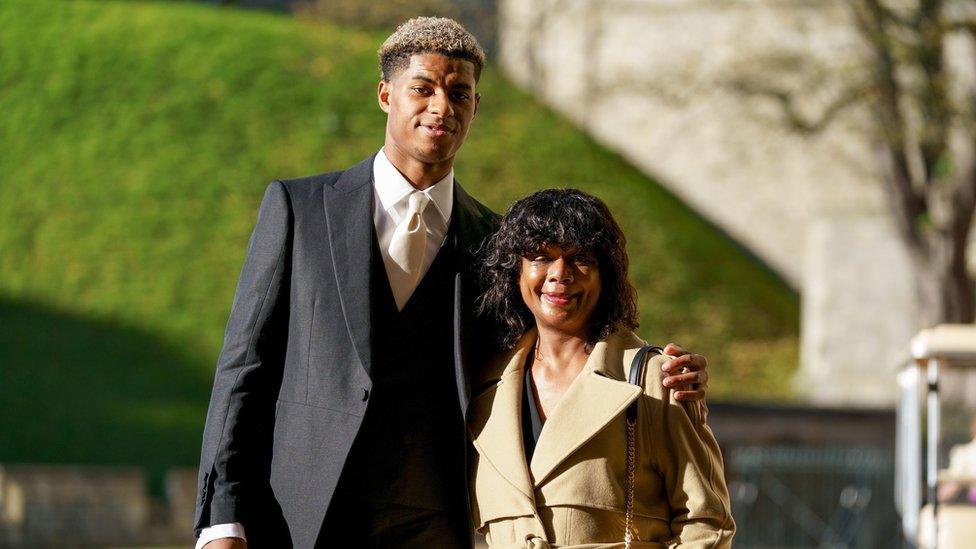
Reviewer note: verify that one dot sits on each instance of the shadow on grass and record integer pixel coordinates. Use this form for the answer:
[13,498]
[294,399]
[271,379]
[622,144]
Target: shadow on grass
[78,390]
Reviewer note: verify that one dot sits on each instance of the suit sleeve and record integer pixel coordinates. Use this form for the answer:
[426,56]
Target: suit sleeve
[237,436]
[691,463]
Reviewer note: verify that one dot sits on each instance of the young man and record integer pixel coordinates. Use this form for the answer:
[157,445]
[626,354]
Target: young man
[337,413]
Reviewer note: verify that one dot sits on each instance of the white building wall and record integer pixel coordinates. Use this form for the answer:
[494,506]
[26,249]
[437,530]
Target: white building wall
[655,81]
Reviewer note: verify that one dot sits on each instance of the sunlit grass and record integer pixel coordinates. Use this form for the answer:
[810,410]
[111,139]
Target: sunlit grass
[135,143]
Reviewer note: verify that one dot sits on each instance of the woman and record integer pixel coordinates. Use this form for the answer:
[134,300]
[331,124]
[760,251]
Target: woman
[549,427]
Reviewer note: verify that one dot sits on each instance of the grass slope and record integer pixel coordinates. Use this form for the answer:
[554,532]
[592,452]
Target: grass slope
[135,143]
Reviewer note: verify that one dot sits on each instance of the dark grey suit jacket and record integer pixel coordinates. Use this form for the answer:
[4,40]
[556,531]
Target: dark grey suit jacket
[292,381]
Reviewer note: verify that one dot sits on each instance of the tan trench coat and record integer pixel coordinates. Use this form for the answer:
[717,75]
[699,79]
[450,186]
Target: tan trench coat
[572,494]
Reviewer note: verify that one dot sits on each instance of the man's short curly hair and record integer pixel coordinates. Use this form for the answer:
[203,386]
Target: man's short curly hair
[429,35]
[564,218]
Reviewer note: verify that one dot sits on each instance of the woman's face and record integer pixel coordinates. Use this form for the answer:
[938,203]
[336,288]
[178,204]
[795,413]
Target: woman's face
[561,286]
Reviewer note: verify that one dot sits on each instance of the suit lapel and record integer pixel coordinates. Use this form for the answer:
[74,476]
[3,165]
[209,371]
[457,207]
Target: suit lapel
[471,225]
[597,396]
[496,429]
[348,209]
[468,228]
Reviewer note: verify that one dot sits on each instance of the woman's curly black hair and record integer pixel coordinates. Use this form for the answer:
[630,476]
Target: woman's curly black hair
[565,218]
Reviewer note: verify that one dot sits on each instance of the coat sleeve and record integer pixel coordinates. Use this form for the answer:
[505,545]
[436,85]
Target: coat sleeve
[691,463]
[236,450]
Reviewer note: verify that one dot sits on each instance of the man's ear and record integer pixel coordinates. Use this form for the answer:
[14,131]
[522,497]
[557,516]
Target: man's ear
[383,95]
[477,101]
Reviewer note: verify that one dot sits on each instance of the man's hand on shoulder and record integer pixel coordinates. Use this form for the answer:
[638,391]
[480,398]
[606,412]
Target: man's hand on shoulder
[687,375]
[226,543]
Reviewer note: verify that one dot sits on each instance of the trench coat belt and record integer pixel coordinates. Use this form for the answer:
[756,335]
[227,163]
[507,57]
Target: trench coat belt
[533,541]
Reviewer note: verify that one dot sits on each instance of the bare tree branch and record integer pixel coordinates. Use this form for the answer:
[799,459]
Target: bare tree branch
[908,203]
[796,118]
[963,199]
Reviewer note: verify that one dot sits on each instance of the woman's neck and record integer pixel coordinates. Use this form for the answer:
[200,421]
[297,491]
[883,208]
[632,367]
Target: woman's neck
[559,359]
[560,351]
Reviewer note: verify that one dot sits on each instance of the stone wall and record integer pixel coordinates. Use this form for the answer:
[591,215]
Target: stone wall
[655,80]
[73,506]
[678,87]
[56,506]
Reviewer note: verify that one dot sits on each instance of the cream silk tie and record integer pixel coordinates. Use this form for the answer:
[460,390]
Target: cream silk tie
[410,237]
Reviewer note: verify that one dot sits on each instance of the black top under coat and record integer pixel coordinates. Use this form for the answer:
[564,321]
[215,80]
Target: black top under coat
[531,420]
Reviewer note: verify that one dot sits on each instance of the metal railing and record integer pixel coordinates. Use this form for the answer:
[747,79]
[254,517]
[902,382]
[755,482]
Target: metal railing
[806,496]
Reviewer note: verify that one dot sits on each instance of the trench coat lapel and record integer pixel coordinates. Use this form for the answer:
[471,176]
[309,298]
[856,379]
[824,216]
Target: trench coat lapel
[349,213]
[496,428]
[598,395]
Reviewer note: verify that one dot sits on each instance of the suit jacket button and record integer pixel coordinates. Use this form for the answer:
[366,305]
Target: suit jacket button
[365,394]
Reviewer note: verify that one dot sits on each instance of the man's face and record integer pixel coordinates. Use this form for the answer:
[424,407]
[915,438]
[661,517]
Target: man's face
[429,106]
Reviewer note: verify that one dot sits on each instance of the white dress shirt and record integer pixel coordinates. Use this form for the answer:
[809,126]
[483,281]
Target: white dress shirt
[390,197]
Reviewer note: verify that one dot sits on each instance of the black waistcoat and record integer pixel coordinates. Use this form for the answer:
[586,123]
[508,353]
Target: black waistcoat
[410,448]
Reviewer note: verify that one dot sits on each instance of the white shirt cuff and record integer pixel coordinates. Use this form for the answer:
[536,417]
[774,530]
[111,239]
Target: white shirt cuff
[218,531]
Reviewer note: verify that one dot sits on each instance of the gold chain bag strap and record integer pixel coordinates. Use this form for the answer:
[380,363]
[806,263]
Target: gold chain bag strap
[636,377]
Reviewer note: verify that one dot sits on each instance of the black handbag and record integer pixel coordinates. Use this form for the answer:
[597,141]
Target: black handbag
[636,377]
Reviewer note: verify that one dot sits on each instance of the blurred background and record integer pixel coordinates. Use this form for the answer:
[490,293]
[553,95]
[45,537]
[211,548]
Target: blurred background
[797,181]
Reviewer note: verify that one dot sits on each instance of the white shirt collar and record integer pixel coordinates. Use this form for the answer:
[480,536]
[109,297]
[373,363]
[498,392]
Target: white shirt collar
[392,188]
